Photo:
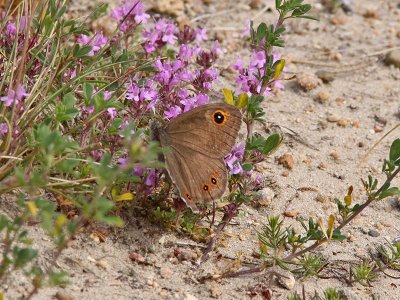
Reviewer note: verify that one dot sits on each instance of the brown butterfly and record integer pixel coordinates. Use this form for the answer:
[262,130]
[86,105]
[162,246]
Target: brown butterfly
[198,141]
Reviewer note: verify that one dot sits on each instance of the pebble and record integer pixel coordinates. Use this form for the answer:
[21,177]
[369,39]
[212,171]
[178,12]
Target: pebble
[371,13]
[373,233]
[340,101]
[102,263]
[307,81]
[264,196]
[215,291]
[356,124]
[322,198]
[323,97]
[322,125]
[393,58]
[166,272]
[189,297]
[136,257]
[325,76]
[286,160]
[62,295]
[378,128]
[339,19]
[291,213]
[287,280]
[285,173]
[333,118]
[343,122]
[335,155]
[255,4]
[185,254]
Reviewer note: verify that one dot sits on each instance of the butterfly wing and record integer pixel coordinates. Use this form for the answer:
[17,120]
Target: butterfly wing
[199,179]
[198,141]
[209,129]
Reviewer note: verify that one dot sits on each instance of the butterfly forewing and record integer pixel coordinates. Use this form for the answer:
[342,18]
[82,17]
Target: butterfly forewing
[197,129]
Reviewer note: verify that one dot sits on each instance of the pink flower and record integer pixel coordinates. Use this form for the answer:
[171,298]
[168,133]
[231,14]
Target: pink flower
[96,42]
[138,171]
[89,109]
[10,30]
[234,158]
[14,96]
[201,35]
[246,31]
[112,112]
[173,112]
[132,13]
[151,178]
[258,59]
[3,129]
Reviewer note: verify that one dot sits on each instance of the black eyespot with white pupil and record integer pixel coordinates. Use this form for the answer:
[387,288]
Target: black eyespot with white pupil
[219,117]
[205,187]
[213,180]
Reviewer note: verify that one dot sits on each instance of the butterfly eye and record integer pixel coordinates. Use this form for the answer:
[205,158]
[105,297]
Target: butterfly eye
[220,117]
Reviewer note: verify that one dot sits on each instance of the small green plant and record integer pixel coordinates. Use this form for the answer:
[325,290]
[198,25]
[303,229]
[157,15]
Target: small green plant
[328,294]
[363,273]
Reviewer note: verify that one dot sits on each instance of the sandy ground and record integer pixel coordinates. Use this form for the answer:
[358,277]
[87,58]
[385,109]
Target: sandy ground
[363,91]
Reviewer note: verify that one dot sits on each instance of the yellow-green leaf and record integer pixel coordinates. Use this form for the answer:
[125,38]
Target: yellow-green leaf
[114,192]
[228,95]
[331,221]
[60,221]
[279,65]
[32,208]
[242,101]
[347,200]
[124,197]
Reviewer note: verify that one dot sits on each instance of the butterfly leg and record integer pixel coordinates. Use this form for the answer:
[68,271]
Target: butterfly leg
[213,215]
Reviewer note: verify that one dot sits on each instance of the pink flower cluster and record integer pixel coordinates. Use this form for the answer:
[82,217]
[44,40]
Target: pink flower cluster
[248,79]
[96,42]
[130,14]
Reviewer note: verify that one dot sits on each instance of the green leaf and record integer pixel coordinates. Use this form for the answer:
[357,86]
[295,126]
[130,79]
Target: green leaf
[261,31]
[393,191]
[81,51]
[272,143]
[301,10]
[278,3]
[394,153]
[23,256]
[87,90]
[3,222]
[247,167]
[58,278]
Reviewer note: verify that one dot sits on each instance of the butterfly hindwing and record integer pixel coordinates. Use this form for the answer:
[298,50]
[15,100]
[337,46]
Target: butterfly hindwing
[199,179]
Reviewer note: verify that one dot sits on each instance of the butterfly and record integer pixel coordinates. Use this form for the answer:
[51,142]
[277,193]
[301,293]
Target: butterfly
[197,142]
